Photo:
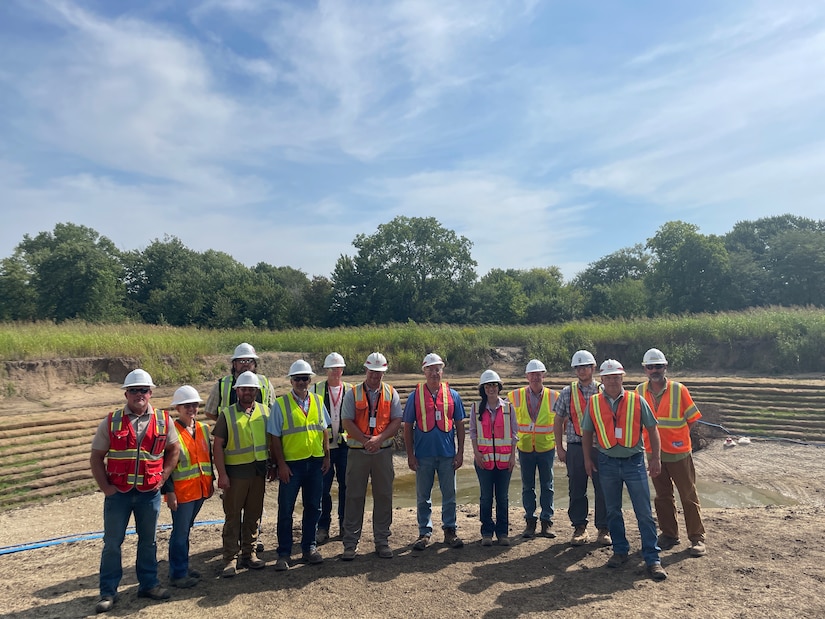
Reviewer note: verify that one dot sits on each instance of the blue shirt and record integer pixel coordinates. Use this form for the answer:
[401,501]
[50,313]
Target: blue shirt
[435,442]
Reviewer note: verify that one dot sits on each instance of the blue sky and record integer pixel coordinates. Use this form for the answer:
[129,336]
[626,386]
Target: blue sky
[548,133]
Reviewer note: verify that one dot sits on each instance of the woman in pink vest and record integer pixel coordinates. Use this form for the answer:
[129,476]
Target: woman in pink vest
[494,433]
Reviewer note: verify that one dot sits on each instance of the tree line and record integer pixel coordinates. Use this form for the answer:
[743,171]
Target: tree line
[411,269]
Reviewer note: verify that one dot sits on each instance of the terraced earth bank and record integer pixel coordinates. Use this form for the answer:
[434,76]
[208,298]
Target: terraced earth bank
[766,561]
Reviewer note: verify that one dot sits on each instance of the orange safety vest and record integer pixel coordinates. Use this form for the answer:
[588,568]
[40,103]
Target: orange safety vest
[380,416]
[628,420]
[578,404]
[536,436]
[675,412]
[129,465]
[193,475]
[495,440]
[431,414]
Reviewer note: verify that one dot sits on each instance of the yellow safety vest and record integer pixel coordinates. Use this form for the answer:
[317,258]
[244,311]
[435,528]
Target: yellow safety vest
[303,433]
[246,441]
[538,436]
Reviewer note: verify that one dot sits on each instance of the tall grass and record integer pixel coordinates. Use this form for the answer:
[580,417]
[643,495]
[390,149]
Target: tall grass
[784,340]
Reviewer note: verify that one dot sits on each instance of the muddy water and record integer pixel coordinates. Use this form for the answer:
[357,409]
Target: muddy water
[711,494]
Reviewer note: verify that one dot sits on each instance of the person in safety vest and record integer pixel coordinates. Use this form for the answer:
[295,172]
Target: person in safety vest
[223,393]
[569,409]
[240,453]
[536,446]
[676,413]
[494,434]
[371,414]
[134,451]
[433,420]
[191,483]
[333,390]
[299,442]
[616,418]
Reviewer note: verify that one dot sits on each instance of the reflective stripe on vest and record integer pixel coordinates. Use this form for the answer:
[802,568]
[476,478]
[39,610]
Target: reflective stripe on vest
[342,435]
[628,419]
[246,441]
[303,433]
[675,410]
[193,474]
[495,441]
[129,465]
[431,414]
[538,435]
[363,413]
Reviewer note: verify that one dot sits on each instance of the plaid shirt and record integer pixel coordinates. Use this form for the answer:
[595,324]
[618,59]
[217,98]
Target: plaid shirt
[562,408]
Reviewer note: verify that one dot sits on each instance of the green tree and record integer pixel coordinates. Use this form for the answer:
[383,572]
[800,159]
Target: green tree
[691,272]
[410,268]
[18,298]
[499,298]
[797,261]
[73,272]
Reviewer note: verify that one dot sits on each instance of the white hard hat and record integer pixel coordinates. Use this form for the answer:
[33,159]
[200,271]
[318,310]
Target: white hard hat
[376,362]
[245,351]
[300,368]
[248,379]
[137,378]
[611,366]
[334,360]
[654,355]
[489,376]
[185,395]
[432,359]
[535,366]
[582,357]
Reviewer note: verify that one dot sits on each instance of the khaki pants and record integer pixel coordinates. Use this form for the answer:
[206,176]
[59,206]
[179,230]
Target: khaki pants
[683,475]
[243,506]
[361,468]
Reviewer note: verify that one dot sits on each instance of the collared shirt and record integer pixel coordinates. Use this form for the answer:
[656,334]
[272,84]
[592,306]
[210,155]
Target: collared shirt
[534,403]
[275,421]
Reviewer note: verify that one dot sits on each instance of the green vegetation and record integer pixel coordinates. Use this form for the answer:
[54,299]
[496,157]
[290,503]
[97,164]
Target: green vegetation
[787,340]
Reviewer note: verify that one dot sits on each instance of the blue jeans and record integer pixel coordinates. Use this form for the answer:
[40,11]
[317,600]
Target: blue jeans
[494,482]
[117,509]
[424,479]
[529,462]
[182,520]
[337,470]
[577,486]
[631,472]
[308,479]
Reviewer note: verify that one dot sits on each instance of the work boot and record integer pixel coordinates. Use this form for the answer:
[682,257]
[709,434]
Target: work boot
[230,569]
[313,556]
[617,559]
[656,571]
[348,554]
[422,542]
[580,537]
[486,540]
[604,538]
[155,593]
[321,536]
[697,549]
[252,562]
[666,542]
[545,529]
[503,540]
[451,539]
[105,603]
[183,583]
[529,529]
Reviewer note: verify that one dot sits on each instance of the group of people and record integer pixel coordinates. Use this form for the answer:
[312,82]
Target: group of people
[332,431]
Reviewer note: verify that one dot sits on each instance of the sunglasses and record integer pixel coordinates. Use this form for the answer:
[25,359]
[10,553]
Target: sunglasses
[300,379]
[138,390]
[655,366]
[244,361]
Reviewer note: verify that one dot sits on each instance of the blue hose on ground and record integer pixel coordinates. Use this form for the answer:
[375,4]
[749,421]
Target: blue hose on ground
[82,537]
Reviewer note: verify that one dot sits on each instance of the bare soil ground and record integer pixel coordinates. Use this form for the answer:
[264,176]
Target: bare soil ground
[762,562]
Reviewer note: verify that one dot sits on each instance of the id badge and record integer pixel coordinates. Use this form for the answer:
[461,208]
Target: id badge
[437,415]
[618,433]
[373,422]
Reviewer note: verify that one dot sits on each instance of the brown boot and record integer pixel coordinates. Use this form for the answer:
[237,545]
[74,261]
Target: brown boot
[545,529]
[529,529]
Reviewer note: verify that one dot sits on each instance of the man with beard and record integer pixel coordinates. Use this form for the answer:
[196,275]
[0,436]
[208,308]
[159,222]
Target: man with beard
[240,454]
[676,413]
[223,393]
